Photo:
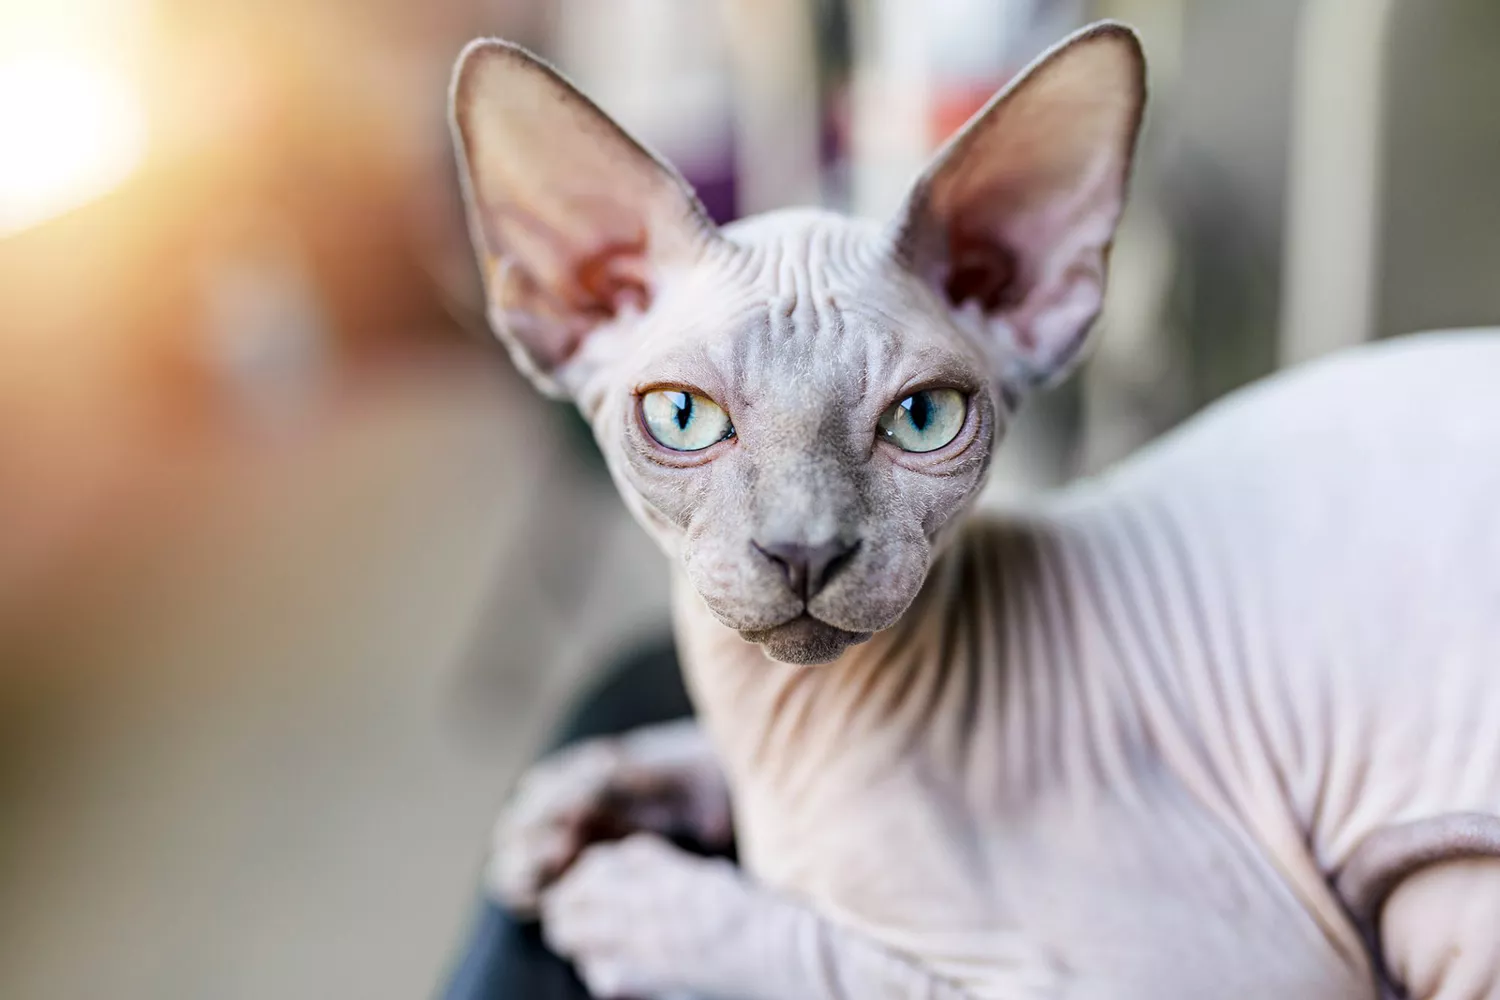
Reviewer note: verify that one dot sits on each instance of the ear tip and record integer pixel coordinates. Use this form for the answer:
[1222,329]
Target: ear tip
[495,48]
[1110,28]
[1117,34]
[1116,42]
[484,55]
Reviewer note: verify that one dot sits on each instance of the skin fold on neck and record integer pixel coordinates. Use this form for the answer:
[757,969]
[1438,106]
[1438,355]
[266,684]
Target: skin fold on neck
[957,683]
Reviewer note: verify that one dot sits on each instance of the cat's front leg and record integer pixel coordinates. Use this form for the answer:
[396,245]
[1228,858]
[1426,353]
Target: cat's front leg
[661,779]
[640,918]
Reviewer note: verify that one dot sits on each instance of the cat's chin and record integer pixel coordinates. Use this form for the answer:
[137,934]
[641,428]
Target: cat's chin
[804,640]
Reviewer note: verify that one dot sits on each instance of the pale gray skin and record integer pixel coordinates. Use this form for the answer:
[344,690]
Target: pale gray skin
[1217,724]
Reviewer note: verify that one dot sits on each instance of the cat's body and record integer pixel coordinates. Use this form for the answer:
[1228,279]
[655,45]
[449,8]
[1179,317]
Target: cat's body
[1223,723]
[1130,737]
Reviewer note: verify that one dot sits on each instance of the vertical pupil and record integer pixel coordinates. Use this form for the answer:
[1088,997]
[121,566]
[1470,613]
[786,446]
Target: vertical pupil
[684,404]
[920,411]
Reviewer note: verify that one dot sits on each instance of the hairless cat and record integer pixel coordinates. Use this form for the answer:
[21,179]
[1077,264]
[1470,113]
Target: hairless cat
[1223,722]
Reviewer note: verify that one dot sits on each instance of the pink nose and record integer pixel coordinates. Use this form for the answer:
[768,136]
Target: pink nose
[808,568]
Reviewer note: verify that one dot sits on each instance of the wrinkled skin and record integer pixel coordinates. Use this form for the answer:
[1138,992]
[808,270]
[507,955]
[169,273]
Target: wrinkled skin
[1212,725]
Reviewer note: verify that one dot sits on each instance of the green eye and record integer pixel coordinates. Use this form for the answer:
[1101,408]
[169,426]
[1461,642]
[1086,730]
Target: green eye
[926,420]
[684,421]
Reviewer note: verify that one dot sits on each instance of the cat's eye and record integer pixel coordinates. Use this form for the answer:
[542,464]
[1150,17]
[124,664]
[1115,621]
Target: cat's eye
[684,421]
[926,420]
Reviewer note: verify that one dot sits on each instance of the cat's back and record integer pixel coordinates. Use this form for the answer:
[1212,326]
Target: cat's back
[1420,402]
[1375,472]
[1324,551]
[1383,458]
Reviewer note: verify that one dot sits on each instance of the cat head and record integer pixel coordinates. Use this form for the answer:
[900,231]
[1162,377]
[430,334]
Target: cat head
[798,406]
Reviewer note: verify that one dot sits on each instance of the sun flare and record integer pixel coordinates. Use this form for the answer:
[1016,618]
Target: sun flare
[70,131]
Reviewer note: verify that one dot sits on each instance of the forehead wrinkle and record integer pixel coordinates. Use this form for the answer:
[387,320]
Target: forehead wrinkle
[887,351]
[821,324]
[845,350]
[737,359]
[861,354]
[711,358]
[870,308]
[743,357]
[820,258]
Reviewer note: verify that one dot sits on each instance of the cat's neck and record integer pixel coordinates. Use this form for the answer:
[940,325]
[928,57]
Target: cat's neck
[966,669]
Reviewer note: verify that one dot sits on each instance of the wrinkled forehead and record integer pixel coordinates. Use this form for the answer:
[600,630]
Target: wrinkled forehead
[801,317]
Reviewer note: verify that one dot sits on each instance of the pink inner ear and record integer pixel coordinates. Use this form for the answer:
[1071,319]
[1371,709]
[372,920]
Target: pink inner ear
[557,289]
[600,285]
[981,271]
[613,278]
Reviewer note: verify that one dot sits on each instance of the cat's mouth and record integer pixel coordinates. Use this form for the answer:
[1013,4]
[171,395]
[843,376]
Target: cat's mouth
[804,640]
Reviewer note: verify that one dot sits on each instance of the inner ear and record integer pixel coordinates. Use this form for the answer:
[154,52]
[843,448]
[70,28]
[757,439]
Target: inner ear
[546,310]
[598,278]
[983,272]
[610,281]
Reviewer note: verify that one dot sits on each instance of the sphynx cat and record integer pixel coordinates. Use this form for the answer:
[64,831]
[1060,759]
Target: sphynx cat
[1221,723]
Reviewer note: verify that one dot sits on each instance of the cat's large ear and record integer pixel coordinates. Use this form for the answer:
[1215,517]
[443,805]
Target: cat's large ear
[1012,222]
[573,221]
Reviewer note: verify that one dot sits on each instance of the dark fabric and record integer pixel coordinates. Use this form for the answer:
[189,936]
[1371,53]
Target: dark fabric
[505,959]
[642,688]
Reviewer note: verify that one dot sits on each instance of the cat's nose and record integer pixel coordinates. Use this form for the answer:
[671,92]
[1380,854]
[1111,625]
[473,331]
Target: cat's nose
[808,568]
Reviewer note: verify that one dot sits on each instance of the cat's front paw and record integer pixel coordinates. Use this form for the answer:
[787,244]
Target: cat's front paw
[660,779]
[640,918]
[560,806]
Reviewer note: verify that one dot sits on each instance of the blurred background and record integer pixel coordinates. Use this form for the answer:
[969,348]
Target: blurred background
[295,571]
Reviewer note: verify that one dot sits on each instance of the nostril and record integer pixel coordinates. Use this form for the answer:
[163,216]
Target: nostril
[791,559]
[834,559]
[808,568]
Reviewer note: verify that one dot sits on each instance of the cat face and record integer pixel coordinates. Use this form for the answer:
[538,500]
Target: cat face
[799,405]
[801,445]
